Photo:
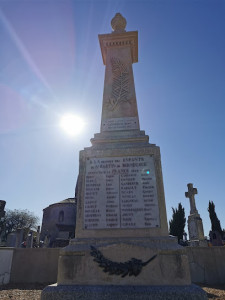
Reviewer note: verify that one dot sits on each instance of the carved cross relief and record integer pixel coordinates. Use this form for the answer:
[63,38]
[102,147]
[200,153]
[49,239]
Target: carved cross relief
[191,195]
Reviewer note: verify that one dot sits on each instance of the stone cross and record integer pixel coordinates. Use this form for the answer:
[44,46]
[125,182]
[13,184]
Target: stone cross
[191,195]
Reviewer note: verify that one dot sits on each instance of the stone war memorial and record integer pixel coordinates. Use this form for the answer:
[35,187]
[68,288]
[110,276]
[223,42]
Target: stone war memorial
[121,248]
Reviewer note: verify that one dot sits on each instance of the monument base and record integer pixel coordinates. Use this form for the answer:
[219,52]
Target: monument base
[102,292]
[124,261]
[123,268]
[197,243]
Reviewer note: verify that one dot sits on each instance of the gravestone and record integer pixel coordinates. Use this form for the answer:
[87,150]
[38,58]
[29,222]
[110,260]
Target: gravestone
[2,208]
[19,237]
[215,238]
[121,249]
[29,241]
[15,239]
[11,240]
[195,226]
[46,242]
[38,237]
[2,223]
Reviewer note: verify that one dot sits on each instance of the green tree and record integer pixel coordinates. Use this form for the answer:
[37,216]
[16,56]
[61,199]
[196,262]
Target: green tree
[19,219]
[215,222]
[178,221]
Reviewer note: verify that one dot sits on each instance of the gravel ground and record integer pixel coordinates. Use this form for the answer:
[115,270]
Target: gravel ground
[214,292]
[21,291]
[33,291]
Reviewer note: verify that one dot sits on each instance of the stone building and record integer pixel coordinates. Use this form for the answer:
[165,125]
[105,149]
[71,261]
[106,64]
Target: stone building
[58,223]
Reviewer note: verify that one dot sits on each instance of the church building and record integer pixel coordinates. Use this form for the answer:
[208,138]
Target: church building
[58,223]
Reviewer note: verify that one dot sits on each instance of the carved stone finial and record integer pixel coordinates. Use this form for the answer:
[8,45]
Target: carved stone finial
[118,23]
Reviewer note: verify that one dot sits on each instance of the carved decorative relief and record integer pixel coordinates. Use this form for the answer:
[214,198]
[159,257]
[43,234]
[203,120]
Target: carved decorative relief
[133,267]
[120,86]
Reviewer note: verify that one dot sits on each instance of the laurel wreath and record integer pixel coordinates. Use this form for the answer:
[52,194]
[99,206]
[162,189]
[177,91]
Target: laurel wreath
[132,267]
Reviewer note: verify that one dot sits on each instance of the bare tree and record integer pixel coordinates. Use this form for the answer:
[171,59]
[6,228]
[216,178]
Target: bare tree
[19,219]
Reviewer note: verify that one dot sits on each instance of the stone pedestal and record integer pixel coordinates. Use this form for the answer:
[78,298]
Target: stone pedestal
[99,269]
[196,233]
[103,292]
[106,262]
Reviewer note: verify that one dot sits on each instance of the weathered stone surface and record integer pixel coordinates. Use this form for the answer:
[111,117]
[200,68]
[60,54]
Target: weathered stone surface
[215,238]
[72,292]
[137,229]
[170,267]
[191,195]
[6,256]
[207,264]
[58,223]
[2,206]
[195,226]
[120,192]
[147,153]
[118,23]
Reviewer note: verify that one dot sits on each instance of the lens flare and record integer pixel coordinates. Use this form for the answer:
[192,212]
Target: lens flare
[72,124]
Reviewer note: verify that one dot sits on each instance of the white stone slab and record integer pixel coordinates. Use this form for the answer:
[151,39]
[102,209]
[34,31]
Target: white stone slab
[120,192]
[120,124]
[6,256]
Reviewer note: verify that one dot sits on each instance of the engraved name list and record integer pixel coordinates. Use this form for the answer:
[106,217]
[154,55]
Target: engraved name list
[120,192]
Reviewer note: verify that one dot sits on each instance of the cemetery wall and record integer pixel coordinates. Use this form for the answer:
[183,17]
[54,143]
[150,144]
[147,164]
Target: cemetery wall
[207,264]
[6,256]
[38,265]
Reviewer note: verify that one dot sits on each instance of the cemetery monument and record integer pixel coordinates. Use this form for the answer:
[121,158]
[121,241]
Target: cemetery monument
[121,249]
[2,224]
[2,208]
[195,226]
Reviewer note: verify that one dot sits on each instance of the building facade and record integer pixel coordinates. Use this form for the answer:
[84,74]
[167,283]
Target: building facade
[58,223]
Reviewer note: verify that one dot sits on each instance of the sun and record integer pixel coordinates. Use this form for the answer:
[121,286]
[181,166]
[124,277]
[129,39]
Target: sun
[72,124]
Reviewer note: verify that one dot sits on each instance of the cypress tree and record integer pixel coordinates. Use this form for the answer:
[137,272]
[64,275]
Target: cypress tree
[178,221]
[215,222]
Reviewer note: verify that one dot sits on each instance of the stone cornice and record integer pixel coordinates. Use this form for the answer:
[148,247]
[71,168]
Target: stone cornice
[116,40]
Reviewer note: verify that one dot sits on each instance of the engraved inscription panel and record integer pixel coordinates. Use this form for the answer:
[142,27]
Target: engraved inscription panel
[120,124]
[120,192]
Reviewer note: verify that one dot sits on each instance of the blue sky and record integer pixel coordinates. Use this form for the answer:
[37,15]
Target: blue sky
[50,64]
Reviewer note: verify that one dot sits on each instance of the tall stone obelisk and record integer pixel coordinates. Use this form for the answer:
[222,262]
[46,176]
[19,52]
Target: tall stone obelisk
[121,247]
[120,177]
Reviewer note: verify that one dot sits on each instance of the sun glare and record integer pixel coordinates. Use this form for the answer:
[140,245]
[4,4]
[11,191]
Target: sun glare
[72,124]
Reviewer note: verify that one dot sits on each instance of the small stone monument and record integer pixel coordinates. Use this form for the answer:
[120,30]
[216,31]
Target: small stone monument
[29,242]
[38,237]
[15,239]
[2,208]
[195,226]
[2,224]
[46,242]
[11,240]
[122,249]
[215,238]
[19,237]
